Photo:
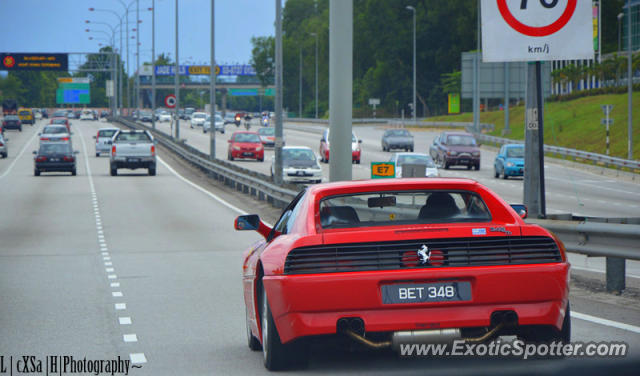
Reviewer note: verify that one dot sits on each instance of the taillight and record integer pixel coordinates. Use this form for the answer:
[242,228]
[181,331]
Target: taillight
[97,136]
[41,159]
[1,144]
[68,159]
[65,138]
[44,139]
[113,150]
[153,150]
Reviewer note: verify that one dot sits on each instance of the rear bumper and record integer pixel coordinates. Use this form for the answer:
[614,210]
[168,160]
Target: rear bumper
[55,166]
[465,161]
[133,162]
[247,154]
[307,305]
[514,171]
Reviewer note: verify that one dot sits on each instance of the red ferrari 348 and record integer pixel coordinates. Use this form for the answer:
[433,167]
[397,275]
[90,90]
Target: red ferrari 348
[410,261]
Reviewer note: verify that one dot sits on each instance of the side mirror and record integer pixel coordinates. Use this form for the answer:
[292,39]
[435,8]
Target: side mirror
[76,152]
[94,137]
[229,141]
[39,134]
[521,209]
[359,141]
[247,222]
[34,152]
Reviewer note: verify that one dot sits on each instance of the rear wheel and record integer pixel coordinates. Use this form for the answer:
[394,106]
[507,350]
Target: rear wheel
[36,172]
[229,156]
[114,171]
[276,355]
[496,174]
[152,171]
[549,334]
[73,172]
[358,161]
[504,174]
[97,154]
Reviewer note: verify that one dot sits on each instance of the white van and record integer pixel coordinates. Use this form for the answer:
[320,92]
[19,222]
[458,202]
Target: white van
[86,115]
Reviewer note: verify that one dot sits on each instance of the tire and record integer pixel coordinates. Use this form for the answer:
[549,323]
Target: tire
[252,341]
[73,172]
[358,161]
[260,159]
[496,174]
[276,355]
[114,171]
[504,174]
[411,149]
[20,129]
[152,171]
[36,172]
[477,167]
[318,181]
[446,165]
[469,167]
[229,156]
[97,154]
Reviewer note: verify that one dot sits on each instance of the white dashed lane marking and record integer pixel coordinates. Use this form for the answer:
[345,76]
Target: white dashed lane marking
[136,358]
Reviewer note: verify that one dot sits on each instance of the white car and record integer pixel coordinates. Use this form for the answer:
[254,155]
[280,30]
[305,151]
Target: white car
[400,159]
[299,165]
[219,124]
[164,117]
[198,119]
[86,115]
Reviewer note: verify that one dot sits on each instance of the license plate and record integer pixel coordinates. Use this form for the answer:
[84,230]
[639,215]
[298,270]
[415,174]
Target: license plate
[464,161]
[247,154]
[133,160]
[55,159]
[426,292]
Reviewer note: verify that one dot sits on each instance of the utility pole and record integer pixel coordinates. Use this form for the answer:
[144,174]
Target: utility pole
[177,81]
[507,78]
[476,77]
[300,87]
[534,188]
[629,84]
[340,88]
[414,108]
[278,131]
[153,64]
[212,86]
[138,54]
[128,88]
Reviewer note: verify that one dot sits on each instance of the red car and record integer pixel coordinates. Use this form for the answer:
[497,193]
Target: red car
[415,260]
[356,150]
[61,120]
[245,145]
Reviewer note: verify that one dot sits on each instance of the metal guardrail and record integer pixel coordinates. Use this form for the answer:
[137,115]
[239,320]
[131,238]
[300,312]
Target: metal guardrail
[590,236]
[565,152]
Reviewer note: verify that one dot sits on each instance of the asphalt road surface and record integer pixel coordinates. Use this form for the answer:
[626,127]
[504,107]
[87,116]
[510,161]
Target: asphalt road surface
[149,269]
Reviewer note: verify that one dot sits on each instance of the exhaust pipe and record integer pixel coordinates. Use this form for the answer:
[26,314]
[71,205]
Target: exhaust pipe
[424,336]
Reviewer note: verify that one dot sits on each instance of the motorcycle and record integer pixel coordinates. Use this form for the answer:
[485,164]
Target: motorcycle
[265,121]
[247,123]
[237,121]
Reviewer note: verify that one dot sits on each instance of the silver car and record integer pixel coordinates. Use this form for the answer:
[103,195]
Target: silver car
[55,133]
[103,140]
[419,159]
[3,146]
[299,165]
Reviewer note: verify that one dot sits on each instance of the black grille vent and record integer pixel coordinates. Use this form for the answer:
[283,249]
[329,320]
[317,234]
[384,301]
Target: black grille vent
[404,255]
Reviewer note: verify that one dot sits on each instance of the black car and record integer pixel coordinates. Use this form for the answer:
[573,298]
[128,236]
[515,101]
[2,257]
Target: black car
[45,113]
[397,139]
[54,157]
[11,122]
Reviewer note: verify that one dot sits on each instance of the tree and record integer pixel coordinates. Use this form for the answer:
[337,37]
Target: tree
[263,59]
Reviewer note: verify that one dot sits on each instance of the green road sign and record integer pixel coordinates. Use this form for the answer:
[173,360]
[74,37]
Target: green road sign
[269,92]
[243,92]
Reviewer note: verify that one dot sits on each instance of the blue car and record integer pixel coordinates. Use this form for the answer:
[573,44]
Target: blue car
[509,161]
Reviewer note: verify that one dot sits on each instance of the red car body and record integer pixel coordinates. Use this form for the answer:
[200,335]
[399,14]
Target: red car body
[312,283]
[356,151]
[61,120]
[245,145]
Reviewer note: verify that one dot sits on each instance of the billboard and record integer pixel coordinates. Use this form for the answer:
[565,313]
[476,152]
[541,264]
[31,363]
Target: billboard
[73,93]
[194,70]
[35,61]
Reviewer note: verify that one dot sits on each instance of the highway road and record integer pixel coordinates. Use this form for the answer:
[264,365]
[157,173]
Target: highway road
[148,268]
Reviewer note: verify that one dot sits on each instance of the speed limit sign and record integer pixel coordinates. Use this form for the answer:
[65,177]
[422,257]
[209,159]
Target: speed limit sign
[170,101]
[536,30]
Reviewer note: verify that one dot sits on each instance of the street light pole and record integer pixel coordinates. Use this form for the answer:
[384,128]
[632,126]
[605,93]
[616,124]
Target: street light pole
[300,87]
[629,84]
[177,80]
[316,35]
[137,54]
[277,163]
[153,64]
[212,88]
[415,110]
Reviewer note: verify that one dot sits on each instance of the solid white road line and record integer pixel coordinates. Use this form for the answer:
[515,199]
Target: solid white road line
[605,322]
[199,188]
[8,170]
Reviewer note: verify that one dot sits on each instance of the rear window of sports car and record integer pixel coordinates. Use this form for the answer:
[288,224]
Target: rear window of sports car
[404,207]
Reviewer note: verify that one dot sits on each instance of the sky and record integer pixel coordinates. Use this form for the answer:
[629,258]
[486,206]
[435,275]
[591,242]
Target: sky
[59,26]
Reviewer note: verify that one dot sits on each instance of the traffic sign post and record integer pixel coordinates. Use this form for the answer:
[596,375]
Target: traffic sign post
[535,31]
[170,101]
[607,121]
[374,102]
